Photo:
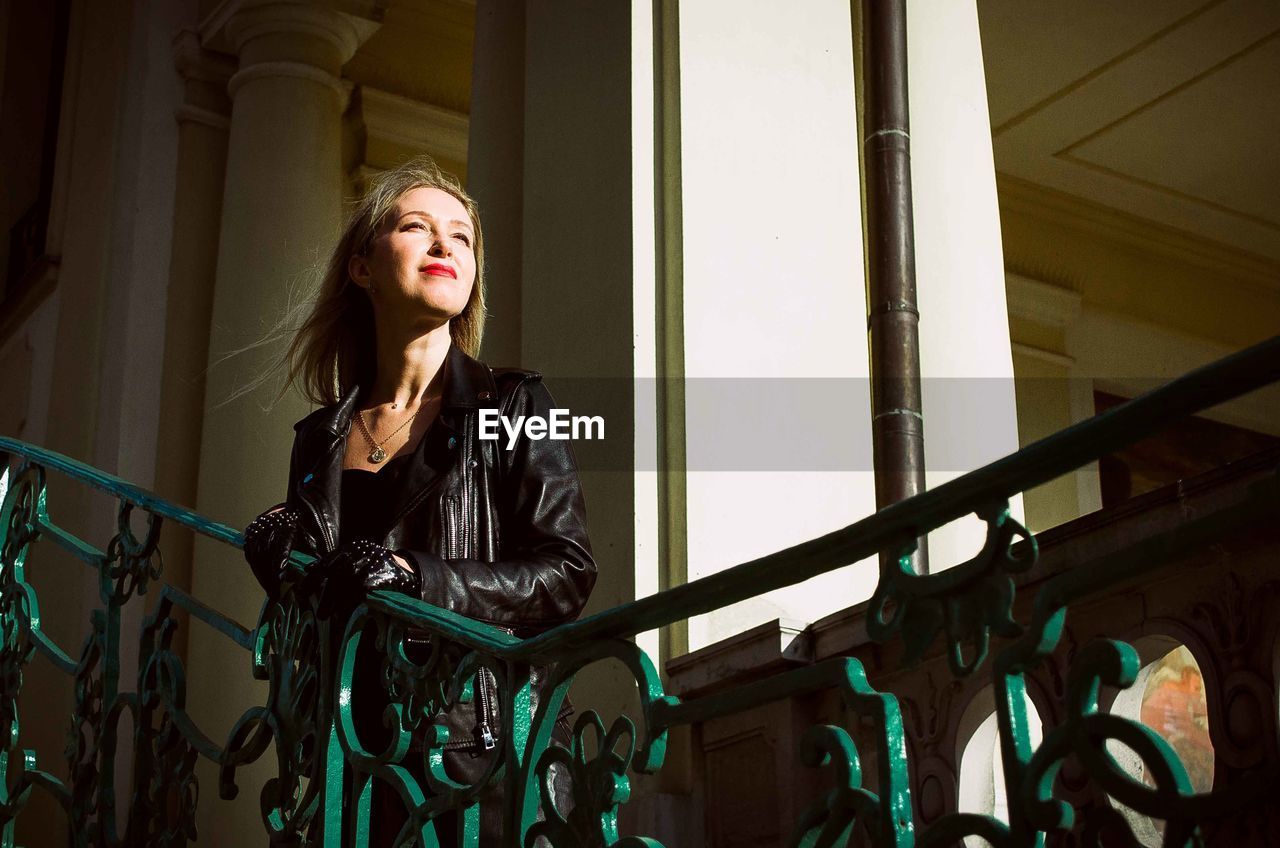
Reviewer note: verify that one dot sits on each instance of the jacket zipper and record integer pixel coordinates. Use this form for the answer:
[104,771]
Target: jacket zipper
[468,480]
[451,522]
[482,735]
[458,546]
[484,730]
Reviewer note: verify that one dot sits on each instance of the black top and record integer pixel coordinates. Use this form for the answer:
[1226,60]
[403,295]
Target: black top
[368,498]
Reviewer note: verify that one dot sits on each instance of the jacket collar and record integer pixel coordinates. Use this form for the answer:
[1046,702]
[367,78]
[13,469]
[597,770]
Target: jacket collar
[467,384]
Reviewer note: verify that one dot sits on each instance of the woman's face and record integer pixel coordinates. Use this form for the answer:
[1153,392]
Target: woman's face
[421,263]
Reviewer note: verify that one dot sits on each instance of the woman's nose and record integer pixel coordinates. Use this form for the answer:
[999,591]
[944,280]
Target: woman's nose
[440,247]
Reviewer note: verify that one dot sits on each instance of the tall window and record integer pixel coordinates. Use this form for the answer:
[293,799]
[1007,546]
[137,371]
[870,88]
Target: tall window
[34,55]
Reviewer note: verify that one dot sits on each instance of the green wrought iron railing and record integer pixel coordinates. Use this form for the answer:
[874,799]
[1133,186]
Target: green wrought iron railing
[309,663]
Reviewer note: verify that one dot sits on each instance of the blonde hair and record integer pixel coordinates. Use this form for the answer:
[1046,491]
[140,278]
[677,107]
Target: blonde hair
[334,347]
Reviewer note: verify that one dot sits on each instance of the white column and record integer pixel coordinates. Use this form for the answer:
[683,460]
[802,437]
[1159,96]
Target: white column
[280,216]
[778,409]
[966,360]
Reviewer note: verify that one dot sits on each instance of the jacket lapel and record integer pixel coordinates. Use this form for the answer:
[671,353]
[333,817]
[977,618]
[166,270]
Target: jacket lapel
[467,385]
[322,437]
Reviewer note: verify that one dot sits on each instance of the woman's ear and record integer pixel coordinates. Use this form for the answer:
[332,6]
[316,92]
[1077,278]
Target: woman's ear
[358,268]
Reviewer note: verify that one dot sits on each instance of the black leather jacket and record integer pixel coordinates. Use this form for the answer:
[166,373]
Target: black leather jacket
[499,535]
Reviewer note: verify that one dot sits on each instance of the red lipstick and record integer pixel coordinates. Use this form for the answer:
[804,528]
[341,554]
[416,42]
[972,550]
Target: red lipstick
[437,269]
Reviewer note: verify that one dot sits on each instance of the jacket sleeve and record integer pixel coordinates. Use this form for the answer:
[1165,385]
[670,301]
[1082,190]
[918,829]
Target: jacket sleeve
[545,570]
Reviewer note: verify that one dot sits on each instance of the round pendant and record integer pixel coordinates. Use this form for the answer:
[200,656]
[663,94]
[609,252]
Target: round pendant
[378,455]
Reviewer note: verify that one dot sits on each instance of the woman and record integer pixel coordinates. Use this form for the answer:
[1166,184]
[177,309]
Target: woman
[389,484]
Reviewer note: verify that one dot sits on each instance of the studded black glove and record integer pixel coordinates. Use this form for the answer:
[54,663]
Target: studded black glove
[356,569]
[268,541]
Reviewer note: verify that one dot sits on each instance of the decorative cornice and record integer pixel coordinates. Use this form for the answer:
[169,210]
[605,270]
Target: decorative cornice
[1039,353]
[1020,197]
[195,62]
[418,126]
[1040,302]
[188,114]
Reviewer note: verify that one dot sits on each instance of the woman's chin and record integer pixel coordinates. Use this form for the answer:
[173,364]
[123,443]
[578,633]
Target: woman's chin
[423,319]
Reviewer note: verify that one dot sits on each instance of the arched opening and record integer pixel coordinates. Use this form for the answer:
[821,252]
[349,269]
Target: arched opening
[982,786]
[1169,697]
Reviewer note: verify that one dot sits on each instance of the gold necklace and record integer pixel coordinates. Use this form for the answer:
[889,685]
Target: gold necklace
[378,454]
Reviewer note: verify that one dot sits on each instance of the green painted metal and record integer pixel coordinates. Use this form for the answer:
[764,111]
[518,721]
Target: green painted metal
[321,790]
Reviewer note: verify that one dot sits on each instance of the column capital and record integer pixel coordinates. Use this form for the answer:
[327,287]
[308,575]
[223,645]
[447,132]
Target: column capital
[342,25]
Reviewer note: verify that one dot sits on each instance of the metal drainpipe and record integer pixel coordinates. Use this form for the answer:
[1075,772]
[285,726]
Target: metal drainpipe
[897,424]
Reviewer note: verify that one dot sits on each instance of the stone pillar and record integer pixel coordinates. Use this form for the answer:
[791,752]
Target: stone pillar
[280,216]
[203,121]
[495,167]
[966,360]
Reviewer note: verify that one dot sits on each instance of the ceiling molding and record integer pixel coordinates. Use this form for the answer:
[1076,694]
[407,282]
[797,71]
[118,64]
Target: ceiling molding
[1159,111]
[418,126]
[1042,355]
[1040,302]
[1102,69]
[1020,197]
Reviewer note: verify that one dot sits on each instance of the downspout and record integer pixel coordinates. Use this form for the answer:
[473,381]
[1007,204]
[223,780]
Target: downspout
[897,422]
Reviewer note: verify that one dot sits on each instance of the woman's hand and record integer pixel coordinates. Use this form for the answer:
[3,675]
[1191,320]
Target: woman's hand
[268,541]
[357,568]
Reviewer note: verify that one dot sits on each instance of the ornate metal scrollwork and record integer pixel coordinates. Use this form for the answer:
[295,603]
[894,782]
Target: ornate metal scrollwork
[420,686]
[885,816]
[289,653]
[83,750]
[18,609]
[131,564]
[166,791]
[421,676]
[966,602]
[599,786]
[830,821]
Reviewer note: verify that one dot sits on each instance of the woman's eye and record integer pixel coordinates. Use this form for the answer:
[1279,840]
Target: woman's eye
[464,238]
[415,225]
